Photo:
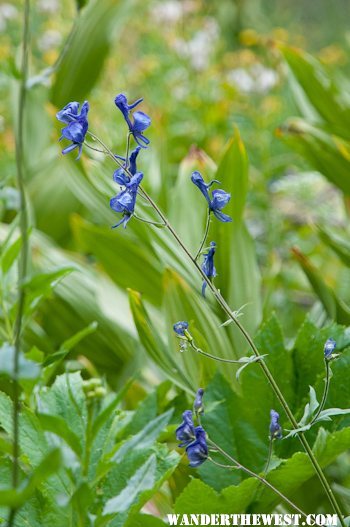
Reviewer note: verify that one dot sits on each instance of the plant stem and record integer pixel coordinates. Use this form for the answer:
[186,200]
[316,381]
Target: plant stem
[201,352]
[226,308]
[254,475]
[204,237]
[325,392]
[22,264]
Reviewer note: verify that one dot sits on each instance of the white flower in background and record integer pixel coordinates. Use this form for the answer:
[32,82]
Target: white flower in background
[199,48]
[7,12]
[256,79]
[168,12]
[48,6]
[50,39]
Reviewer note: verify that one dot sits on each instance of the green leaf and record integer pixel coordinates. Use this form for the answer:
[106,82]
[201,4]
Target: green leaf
[327,153]
[16,498]
[41,285]
[327,96]
[182,303]
[10,254]
[143,479]
[88,50]
[238,273]
[154,344]
[337,243]
[69,344]
[27,369]
[132,265]
[334,306]
[57,425]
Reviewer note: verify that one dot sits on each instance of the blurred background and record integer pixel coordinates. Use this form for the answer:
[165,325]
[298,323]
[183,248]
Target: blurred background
[227,84]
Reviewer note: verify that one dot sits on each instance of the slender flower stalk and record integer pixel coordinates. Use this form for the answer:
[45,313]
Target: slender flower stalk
[245,469]
[22,267]
[231,314]
[325,392]
[204,236]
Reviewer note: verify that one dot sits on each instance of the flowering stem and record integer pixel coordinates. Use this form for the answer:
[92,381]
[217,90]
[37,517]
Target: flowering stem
[325,392]
[204,237]
[155,223]
[22,266]
[201,352]
[252,474]
[127,150]
[269,455]
[231,314]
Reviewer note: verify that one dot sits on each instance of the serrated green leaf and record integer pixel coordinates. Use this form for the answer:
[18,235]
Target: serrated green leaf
[57,425]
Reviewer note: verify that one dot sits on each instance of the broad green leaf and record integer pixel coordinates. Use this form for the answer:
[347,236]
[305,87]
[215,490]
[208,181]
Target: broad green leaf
[238,273]
[10,254]
[155,346]
[27,369]
[57,425]
[131,474]
[143,479]
[42,284]
[182,303]
[334,306]
[69,344]
[339,244]
[130,264]
[329,154]
[84,59]
[329,97]
[16,498]
[147,520]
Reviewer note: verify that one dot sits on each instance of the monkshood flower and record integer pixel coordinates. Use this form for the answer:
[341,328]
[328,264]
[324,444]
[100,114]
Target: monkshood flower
[120,176]
[329,347]
[275,427]
[185,432]
[77,125]
[180,328]
[198,402]
[219,198]
[125,201]
[140,123]
[208,267]
[197,452]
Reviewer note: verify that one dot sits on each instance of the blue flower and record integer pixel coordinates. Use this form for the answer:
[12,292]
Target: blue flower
[208,267]
[120,176]
[185,432]
[77,125]
[275,427]
[125,201]
[197,452]
[329,347]
[140,123]
[219,198]
[180,328]
[198,402]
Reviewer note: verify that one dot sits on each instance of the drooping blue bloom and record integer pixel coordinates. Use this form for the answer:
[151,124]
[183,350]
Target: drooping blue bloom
[329,347]
[185,432]
[180,328]
[219,198]
[208,267]
[275,427]
[140,122]
[198,402]
[125,201]
[77,125]
[120,176]
[197,452]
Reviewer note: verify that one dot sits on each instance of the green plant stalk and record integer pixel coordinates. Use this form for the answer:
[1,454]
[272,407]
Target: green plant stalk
[204,237]
[325,392]
[209,355]
[22,266]
[226,308]
[262,480]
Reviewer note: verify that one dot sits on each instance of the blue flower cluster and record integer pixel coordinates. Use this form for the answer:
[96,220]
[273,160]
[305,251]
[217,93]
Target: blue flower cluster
[77,125]
[194,439]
